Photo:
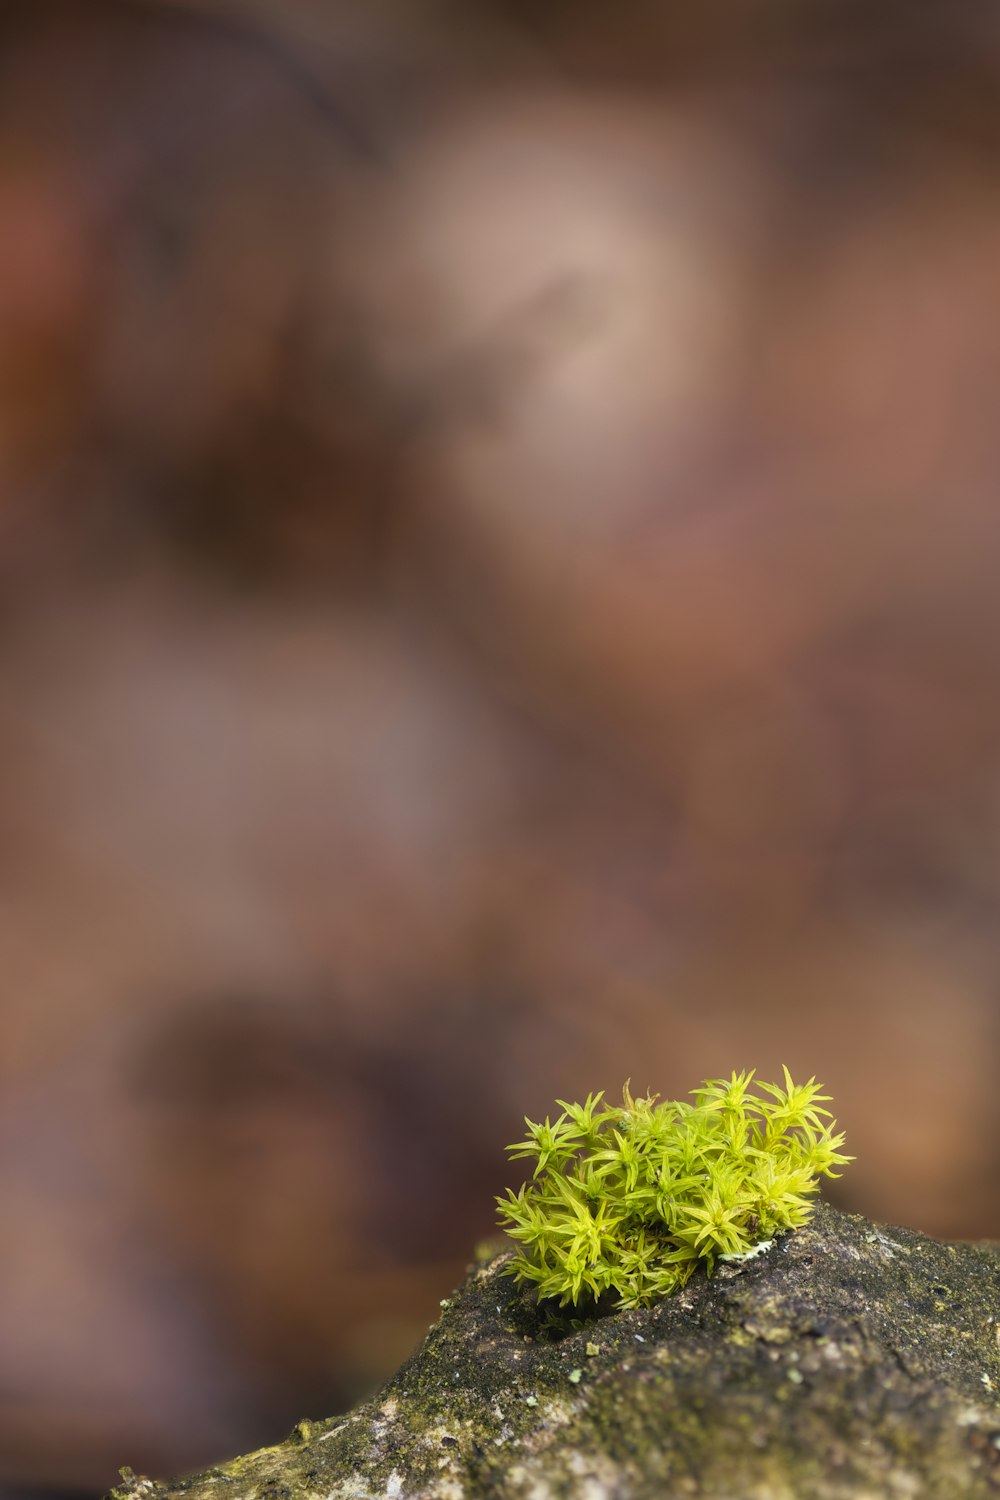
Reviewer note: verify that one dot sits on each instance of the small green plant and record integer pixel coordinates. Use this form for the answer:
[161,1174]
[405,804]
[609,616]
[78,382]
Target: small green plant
[626,1201]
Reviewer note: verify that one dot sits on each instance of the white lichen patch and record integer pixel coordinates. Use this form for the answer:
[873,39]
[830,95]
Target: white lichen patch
[556,1413]
[745,1255]
[551,1415]
[395,1487]
[886,1245]
[490,1267]
[447,1436]
[338,1429]
[383,1422]
[136,1485]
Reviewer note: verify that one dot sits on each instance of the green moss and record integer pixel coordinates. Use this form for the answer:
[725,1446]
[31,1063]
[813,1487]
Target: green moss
[626,1202]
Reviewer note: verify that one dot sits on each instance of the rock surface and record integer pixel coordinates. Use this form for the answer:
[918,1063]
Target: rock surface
[847,1360]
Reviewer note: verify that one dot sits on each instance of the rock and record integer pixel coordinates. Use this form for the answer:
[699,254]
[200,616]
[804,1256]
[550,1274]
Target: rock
[847,1360]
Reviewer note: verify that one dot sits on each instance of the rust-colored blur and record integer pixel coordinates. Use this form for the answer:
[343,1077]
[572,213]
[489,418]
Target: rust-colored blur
[499,560]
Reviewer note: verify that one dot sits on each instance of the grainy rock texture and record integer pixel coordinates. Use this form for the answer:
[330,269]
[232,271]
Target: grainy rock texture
[847,1360]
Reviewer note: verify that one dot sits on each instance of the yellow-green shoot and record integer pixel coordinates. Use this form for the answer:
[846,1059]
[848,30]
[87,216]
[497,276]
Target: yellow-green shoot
[625,1201]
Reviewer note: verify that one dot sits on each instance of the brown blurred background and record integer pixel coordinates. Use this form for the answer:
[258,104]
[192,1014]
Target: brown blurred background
[499,559]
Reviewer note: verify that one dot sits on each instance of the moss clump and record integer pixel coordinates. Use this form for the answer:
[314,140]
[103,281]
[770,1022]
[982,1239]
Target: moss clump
[628,1200]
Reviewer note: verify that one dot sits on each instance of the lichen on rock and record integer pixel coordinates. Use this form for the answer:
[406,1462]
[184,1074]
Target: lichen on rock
[847,1362]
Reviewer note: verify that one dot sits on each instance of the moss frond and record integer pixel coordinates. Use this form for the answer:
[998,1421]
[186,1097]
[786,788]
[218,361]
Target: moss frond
[627,1200]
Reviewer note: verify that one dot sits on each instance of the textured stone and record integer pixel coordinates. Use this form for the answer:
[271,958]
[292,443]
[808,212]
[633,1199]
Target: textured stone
[848,1360]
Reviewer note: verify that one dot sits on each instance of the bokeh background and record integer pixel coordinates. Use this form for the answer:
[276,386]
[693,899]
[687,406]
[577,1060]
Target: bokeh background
[499,561]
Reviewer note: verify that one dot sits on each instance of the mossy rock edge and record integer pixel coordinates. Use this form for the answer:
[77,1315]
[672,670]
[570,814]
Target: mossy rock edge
[848,1360]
